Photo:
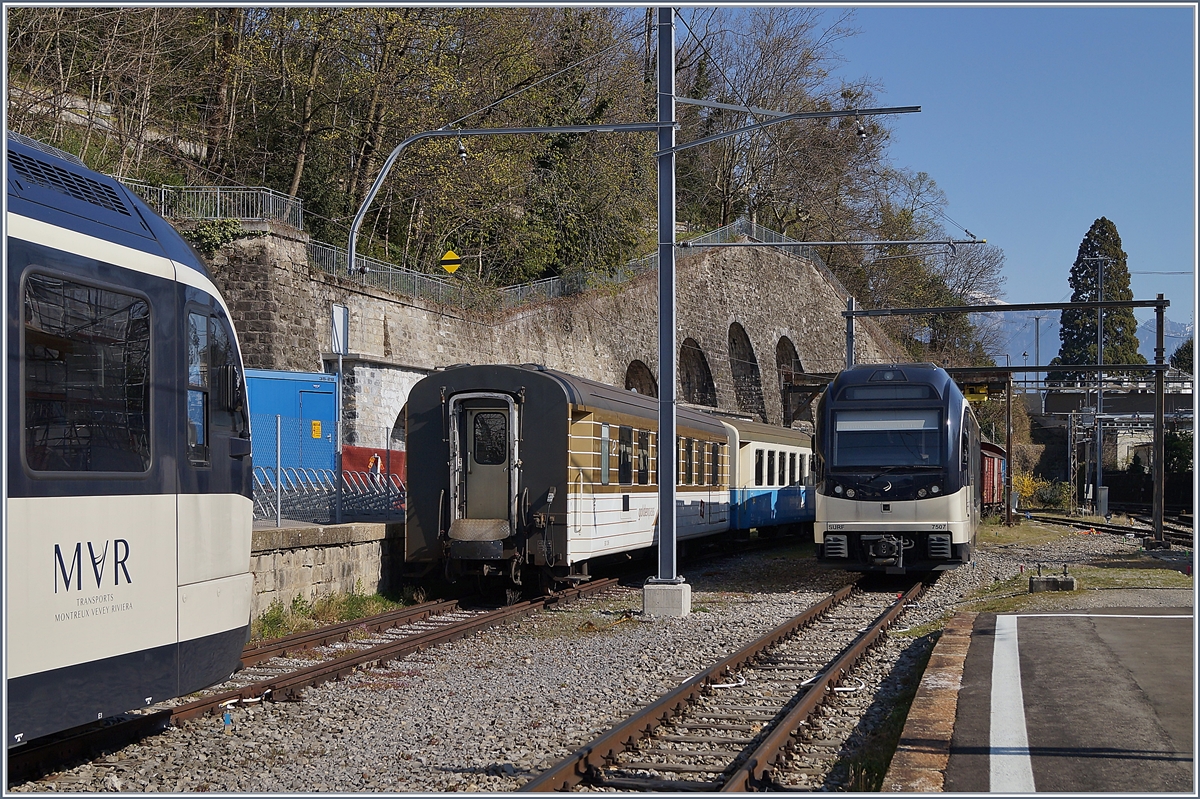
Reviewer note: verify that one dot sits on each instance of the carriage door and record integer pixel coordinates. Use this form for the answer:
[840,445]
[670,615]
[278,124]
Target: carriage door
[484,487]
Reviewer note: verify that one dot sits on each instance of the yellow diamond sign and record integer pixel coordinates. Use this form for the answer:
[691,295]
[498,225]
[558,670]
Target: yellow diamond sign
[451,261]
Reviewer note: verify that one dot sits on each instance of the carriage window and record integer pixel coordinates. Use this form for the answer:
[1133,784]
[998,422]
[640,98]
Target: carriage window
[625,455]
[714,473]
[792,469]
[87,378]
[643,457]
[687,461]
[771,467]
[782,468]
[604,445]
[758,467]
[197,396]
[491,438]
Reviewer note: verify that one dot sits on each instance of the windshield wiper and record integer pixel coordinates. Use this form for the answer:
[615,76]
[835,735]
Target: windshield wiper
[893,467]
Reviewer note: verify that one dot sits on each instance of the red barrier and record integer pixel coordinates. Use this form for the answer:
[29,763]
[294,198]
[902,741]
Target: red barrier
[358,459]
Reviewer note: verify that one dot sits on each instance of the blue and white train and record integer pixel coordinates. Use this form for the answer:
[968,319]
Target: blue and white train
[898,484]
[127,548]
[522,471]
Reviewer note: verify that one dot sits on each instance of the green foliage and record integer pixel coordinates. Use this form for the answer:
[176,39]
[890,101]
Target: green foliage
[1177,447]
[310,101]
[300,614]
[211,235]
[1182,358]
[1078,327]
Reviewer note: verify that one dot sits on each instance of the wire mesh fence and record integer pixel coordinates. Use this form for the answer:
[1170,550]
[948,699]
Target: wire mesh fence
[296,476]
[251,204]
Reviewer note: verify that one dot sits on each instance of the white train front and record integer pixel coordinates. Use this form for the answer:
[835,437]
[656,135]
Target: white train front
[898,470]
[127,552]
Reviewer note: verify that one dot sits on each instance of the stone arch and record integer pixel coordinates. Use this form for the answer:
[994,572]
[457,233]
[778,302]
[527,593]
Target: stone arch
[787,362]
[639,378]
[695,378]
[747,380]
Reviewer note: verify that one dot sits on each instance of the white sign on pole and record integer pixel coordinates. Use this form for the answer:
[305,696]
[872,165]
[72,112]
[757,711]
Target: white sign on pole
[341,330]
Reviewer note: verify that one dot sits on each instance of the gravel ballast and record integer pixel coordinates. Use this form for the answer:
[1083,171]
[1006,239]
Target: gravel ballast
[489,712]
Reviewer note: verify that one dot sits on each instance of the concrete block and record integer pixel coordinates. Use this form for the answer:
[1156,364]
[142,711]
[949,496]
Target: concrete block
[1052,582]
[667,599]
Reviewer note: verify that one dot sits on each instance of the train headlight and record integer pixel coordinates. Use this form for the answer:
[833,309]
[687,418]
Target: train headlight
[837,489]
[921,492]
[850,493]
[934,489]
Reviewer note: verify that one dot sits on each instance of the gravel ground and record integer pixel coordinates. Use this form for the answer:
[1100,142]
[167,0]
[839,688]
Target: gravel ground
[489,712]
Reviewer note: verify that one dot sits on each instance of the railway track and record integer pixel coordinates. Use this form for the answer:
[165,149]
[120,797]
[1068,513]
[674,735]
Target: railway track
[273,672]
[1174,534]
[730,727]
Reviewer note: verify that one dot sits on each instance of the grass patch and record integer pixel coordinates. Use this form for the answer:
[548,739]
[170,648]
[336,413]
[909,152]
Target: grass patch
[301,615]
[1012,595]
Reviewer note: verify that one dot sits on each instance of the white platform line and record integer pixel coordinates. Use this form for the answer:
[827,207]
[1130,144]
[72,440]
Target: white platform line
[1104,616]
[1011,769]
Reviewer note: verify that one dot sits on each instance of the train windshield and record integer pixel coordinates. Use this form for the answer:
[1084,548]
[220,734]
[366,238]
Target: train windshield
[887,438]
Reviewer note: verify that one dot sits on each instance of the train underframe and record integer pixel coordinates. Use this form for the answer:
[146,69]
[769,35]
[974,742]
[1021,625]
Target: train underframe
[893,552]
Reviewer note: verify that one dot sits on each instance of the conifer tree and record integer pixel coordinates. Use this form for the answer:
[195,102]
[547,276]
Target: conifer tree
[1182,357]
[1078,327]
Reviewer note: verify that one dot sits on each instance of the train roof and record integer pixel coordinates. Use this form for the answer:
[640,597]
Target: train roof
[767,433]
[594,395]
[862,374]
[55,187]
[994,449]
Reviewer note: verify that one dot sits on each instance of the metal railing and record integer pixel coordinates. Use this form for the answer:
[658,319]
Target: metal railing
[250,204]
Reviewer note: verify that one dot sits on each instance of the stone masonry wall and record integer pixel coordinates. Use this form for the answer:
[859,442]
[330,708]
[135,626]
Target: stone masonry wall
[281,309]
[317,561]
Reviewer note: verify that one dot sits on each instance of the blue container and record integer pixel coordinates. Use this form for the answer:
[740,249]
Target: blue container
[307,403]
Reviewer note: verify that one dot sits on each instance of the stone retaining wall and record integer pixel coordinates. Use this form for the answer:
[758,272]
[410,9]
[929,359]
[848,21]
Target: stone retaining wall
[315,560]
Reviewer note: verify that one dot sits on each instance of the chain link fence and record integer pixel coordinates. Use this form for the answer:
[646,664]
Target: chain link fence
[296,476]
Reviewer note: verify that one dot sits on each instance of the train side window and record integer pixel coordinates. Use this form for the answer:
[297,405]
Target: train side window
[198,384]
[654,455]
[228,388]
[643,457]
[966,449]
[771,467]
[782,468]
[87,378]
[688,465]
[625,455]
[792,469]
[758,467]
[714,472]
[604,445]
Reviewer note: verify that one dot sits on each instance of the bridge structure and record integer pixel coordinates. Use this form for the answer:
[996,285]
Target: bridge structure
[752,323]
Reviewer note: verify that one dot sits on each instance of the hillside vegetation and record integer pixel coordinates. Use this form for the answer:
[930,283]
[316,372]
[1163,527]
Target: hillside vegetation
[310,101]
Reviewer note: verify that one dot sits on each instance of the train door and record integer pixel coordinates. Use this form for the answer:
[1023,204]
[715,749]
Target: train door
[483,463]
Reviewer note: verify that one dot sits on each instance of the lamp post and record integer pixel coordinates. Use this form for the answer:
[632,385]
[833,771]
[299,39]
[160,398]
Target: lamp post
[1037,359]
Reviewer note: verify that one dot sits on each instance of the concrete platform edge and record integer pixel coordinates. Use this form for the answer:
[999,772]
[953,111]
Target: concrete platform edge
[919,764]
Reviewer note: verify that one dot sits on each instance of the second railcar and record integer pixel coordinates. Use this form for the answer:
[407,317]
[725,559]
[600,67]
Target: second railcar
[898,482]
[992,464]
[522,470]
[770,483]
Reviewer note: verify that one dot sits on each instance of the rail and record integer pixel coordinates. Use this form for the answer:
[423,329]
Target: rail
[250,204]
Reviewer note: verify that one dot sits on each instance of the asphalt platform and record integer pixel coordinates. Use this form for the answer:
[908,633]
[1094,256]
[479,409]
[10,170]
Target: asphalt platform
[1071,701]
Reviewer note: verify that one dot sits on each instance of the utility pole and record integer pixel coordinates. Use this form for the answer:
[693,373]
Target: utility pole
[1037,359]
[666,594]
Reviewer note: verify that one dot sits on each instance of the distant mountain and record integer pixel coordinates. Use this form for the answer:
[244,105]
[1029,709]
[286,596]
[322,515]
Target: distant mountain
[1013,333]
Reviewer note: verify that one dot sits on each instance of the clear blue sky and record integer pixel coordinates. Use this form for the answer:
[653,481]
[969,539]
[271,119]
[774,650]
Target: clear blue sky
[1038,120]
